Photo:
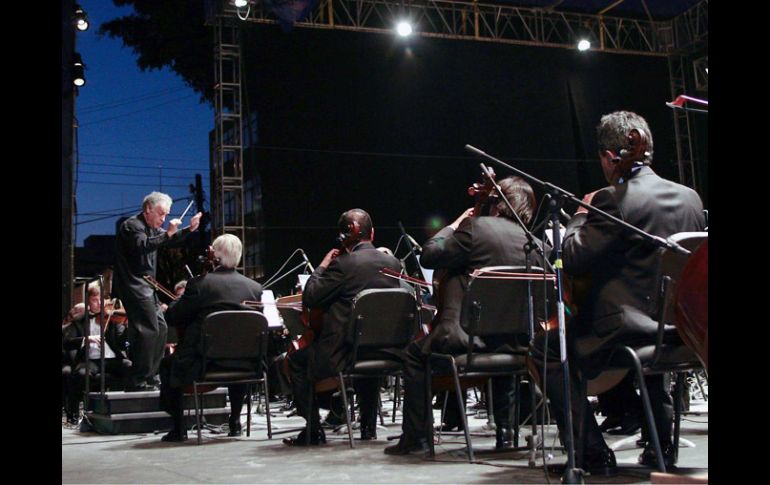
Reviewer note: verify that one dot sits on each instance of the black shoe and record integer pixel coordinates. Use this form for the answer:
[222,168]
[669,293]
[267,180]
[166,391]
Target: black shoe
[629,425]
[602,463]
[406,446]
[235,428]
[316,438]
[368,433]
[154,381]
[451,427]
[504,438]
[72,419]
[610,422]
[175,436]
[141,387]
[648,457]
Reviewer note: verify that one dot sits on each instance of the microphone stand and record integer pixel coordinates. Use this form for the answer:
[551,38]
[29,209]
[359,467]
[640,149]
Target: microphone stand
[558,197]
[417,288]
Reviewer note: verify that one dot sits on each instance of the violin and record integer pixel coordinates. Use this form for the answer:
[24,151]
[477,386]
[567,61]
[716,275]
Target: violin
[115,312]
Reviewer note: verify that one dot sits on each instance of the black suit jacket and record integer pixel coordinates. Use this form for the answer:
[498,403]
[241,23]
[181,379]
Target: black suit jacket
[333,289]
[623,266]
[222,289]
[477,242]
[74,334]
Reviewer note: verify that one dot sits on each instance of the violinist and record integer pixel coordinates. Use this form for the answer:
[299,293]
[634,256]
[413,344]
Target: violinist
[75,344]
[221,289]
[623,280]
[470,242]
[137,243]
[341,275]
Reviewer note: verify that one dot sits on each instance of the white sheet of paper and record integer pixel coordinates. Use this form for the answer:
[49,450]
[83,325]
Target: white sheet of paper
[270,311]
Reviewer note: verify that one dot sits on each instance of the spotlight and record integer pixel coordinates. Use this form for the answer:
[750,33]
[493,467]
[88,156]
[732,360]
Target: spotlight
[584,45]
[404,29]
[240,3]
[81,19]
[78,71]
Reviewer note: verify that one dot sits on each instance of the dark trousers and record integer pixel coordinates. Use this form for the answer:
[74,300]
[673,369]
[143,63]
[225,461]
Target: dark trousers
[147,333]
[593,441]
[418,415]
[116,368]
[303,388]
[171,398]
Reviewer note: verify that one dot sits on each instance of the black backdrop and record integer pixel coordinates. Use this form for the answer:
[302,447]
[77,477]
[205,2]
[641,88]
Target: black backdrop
[366,120]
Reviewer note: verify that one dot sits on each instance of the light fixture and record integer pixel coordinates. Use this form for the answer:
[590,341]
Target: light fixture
[584,45]
[240,3]
[81,19]
[404,28]
[78,71]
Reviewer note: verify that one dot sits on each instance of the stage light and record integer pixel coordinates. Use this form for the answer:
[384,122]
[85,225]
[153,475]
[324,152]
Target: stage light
[240,3]
[404,28]
[584,45]
[78,71]
[81,19]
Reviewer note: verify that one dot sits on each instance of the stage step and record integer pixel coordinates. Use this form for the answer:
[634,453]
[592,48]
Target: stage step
[139,412]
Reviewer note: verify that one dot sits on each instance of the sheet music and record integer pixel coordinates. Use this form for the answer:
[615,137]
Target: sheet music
[303,280]
[549,234]
[427,274]
[269,310]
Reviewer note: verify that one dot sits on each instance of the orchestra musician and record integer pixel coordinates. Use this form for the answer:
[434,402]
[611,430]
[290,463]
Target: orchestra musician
[335,282]
[470,242]
[74,347]
[221,289]
[622,269]
[137,243]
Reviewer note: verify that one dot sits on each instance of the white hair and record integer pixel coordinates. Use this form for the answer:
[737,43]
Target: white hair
[228,249]
[156,198]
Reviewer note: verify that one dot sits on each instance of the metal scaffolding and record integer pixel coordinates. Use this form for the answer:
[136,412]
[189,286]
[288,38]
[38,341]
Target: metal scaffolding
[227,150]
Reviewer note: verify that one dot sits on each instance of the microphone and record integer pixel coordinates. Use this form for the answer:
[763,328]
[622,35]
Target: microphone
[307,261]
[417,247]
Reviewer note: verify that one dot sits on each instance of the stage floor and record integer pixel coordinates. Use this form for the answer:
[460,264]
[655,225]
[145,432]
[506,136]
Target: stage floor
[143,458]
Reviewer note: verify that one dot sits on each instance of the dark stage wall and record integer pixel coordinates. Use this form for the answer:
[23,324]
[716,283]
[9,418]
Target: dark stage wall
[409,109]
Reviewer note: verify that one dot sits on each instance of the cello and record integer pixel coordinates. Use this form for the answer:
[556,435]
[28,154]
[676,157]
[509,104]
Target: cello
[691,315]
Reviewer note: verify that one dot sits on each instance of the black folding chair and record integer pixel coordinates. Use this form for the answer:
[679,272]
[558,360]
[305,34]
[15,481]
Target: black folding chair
[234,346]
[495,307]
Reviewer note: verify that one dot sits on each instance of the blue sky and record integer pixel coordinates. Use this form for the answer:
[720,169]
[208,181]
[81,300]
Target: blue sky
[139,131]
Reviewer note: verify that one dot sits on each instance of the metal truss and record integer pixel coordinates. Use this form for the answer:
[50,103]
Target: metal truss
[471,20]
[682,132]
[227,150]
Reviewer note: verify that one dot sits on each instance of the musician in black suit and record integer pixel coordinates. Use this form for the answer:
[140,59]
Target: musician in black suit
[136,249]
[332,287]
[468,243]
[623,278]
[222,289]
[82,335]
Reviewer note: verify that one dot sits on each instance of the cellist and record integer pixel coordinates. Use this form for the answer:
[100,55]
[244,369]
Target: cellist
[472,241]
[341,275]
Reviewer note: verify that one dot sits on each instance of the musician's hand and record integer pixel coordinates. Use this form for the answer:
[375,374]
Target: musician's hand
[94,339]
[195,221]
[587,199]
[464,215]
[163,307]
[329,257]
[173,226]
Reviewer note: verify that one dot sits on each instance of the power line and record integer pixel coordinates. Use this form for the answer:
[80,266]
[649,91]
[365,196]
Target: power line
[142,158]
[129,100]
[121,142]
[130,185]
[135,112]
[139,174]
[154,167]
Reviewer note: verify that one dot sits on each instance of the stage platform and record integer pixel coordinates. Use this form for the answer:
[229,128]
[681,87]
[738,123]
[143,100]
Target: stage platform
[143,458]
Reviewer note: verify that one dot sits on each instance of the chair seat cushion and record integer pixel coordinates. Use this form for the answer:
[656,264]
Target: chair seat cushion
[672,356]
[491,362]
[376,366]
[229,375]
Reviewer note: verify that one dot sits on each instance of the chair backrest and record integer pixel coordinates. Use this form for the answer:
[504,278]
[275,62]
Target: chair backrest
[383,318]
[670,268]
[497,305]
[234,335]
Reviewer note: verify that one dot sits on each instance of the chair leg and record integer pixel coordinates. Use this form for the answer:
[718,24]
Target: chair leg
[653,430]
[379,407]
[680,377]
[267,405]
[461,405]
[516,409]
[396,397]
[248,411]
[428,403]
[347,413]
[197,411]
